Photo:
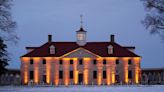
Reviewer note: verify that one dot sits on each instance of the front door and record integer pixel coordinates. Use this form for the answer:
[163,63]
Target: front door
[80,78]
[44,78]
[117,79]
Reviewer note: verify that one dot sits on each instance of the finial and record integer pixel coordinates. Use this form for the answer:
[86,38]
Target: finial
[81,16]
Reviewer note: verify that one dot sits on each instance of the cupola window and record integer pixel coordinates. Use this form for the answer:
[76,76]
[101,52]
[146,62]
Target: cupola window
[81,36]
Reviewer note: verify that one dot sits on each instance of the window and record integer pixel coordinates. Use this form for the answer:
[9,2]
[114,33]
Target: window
[31,61]
[129,74]
[129,61]
[44,61]
[71,74]
[52,49]
[94,61]
[81,61]
[117,61]
[60,74]
[104,61]
[110,49]
[104,74]
[94,74]
[60,61]
[71,61]
[31,75]
[80,36]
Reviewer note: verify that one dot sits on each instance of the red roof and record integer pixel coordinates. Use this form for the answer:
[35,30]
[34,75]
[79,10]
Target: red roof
[98,48]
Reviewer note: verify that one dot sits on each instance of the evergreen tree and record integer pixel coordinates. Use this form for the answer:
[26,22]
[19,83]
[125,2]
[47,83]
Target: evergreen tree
[6,32]
[3,57]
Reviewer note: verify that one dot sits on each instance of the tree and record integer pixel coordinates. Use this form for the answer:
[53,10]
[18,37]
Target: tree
[7,32]
[3,57]
[154,20]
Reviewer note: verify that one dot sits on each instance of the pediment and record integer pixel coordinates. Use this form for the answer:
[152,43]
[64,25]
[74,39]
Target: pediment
[80,53]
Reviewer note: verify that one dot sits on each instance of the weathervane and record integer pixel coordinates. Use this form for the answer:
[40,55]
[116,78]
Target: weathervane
[81,16]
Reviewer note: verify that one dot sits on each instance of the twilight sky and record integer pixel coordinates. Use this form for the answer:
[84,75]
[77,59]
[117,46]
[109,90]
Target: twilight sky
[61,18]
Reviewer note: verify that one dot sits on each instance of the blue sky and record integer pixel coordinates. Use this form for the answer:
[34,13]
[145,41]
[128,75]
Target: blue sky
[61,18]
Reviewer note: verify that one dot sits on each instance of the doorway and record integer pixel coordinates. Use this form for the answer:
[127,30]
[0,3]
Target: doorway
[44,78]
[80,78]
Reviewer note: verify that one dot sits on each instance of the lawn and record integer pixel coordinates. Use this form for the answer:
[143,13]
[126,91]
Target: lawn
[140,88]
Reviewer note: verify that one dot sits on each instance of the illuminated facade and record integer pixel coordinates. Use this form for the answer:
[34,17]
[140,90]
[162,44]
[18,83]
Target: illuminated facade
[80,63]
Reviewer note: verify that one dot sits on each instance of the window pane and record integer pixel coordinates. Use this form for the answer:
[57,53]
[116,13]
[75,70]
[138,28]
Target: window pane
[104,61]
[81,61]
[31,61]
[104,74]
[94,74]
[31,75]
[71,61]
[71,74]
[94,61]
[44,61]
[129,61]
[60,74]
[61,61]
[117,61]
[129,74]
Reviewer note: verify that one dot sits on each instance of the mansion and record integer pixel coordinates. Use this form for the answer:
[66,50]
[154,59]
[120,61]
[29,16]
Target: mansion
[80,63]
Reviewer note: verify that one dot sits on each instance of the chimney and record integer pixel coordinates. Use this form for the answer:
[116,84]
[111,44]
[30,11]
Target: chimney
[112,38]
[49,38]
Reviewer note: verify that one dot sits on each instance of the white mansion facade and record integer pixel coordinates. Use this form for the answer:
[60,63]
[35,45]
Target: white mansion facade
[80,63]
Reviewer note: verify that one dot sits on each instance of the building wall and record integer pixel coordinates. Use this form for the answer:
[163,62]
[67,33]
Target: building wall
[52,67]
[153,76]
[10,77]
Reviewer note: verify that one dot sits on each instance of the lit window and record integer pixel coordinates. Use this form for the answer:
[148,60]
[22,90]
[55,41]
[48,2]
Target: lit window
[110,49]
[80,36]
[52,49]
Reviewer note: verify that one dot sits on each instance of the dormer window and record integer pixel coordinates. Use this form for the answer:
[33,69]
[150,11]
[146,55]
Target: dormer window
[110,49]
[52,49]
